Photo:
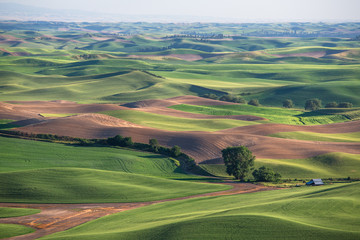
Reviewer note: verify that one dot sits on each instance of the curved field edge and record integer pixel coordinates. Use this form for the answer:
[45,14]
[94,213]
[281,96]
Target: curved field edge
[20,154]
[12,230]
[330,165]
[16,212]
[310,136]
[77,185]
[170,123]
[326,212]
[274,114]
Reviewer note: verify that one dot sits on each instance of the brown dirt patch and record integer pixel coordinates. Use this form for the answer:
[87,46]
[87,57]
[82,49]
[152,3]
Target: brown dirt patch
[202,146]
[84,125]
[61,107]
[14,53]
[194,100]
[9,111]
[186,57]
[60,217]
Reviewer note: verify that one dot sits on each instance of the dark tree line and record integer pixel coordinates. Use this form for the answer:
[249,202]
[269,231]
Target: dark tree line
[315,104]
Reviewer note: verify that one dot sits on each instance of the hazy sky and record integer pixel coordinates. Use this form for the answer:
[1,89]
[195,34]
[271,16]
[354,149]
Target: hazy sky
[265,10]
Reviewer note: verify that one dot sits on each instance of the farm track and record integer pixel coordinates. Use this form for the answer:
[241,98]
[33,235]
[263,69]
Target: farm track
[60,217]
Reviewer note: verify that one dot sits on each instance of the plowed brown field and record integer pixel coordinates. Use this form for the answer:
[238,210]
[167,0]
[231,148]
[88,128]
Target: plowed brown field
[202,146]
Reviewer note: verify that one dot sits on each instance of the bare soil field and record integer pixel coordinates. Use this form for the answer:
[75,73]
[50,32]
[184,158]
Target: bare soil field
[186,57]
[11,111]
[60,217]
[317,54]
[61,107]
[204,147]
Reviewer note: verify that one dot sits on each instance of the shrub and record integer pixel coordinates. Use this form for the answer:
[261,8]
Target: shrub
[84,142]
[264,174]
[115,141]
[238,99]
[175,151]
[345,105]
[154,145]
[211,96]
[313,104]
[127,142]
[331,105]
[254,102]
[288,103]
[120,141]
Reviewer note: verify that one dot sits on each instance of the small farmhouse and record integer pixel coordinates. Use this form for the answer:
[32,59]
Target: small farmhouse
[315,182]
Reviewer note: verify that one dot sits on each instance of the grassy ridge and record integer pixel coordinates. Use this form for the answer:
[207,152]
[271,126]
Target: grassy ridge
[176,123]
[31,172]
[274,115]
[60,75]
[300,213]
[11,230]
[19,154]
[80,185]
[310,136]
[16,212]
[330,165]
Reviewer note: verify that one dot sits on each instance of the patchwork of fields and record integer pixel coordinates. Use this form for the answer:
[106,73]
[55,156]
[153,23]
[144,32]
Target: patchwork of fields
[179,89]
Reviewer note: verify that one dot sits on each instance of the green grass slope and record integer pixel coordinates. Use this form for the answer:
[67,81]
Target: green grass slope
[78,185]
[275,115]
[330,165]
[82,84]
[16,212]
[19,154]
[327,212]
[340,137]
[12,230]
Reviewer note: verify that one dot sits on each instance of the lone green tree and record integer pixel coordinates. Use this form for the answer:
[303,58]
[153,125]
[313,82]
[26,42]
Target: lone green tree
[238,161]
[288,103]
[313,104]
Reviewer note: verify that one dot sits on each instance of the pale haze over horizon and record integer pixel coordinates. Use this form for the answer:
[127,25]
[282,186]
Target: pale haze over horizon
[254,10]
